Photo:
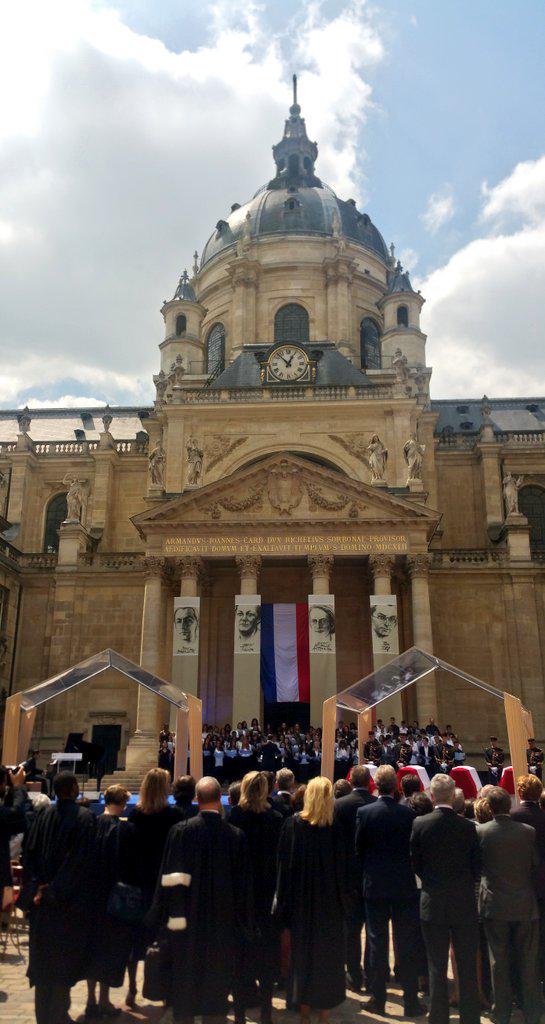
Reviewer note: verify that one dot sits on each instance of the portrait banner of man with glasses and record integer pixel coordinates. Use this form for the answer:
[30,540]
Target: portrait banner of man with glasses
[321,623]
[247,623]
[186,626]
[384,624]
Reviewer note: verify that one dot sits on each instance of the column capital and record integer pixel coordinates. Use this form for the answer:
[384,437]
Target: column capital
[191,568]
[320,565]
[381,565]
[154,566]
[419,565]
[248,565]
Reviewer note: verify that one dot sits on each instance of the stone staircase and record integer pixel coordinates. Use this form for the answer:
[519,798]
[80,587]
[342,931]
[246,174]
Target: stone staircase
[131,778]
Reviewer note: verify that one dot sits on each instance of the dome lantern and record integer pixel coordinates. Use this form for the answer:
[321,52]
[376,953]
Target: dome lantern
[295,155]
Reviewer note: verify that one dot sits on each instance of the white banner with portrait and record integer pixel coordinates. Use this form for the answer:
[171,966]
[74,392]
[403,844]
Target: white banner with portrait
[186,626]
[384,630]
[247,624]
[321,623]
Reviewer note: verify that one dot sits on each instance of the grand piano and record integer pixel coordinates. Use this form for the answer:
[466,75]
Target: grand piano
[92,753]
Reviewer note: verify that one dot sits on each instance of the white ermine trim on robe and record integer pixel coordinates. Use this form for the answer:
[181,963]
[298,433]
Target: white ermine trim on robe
[176,924]
[176,878]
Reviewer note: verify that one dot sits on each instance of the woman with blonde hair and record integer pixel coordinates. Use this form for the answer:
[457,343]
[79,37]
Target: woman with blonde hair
[259,960]
[151,820]
[312,899]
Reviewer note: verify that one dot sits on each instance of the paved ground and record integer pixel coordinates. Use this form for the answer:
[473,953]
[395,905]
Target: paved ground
[16,1001]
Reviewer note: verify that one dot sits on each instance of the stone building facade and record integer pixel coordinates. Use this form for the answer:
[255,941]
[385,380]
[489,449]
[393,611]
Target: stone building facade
[293,448]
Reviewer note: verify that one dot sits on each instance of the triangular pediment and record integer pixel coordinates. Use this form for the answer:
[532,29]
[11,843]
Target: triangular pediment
[285,488]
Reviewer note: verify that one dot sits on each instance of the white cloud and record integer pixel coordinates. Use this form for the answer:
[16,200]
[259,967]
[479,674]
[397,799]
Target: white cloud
[439,210]
[484,308]
[118,156]
[520,196]
[409,259]
[64,402]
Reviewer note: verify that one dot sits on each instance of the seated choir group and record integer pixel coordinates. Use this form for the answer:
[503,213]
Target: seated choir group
[241,900]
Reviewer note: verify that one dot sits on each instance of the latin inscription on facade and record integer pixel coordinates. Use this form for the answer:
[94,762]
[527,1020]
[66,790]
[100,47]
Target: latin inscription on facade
[286,544]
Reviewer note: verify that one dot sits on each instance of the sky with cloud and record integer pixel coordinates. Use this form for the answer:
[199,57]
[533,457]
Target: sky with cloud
[128,129]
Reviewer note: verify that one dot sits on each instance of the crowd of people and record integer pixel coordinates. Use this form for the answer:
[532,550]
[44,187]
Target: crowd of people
[230,753]
[232,901]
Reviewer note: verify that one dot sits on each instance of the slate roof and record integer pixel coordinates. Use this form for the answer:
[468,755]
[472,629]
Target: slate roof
[399,281]
[333,368]
[61,424]
[507,414]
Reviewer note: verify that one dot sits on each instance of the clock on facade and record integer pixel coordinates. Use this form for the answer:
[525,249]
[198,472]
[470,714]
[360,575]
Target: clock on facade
[287,363]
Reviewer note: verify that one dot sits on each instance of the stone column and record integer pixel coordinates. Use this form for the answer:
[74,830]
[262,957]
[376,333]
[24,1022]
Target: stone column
[323,667]
[142,747]
[426,695]
[185,670]
[247,698]
[382,567]
[331,300]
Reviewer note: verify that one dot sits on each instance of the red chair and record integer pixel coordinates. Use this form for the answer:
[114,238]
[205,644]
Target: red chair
[466,779]
[408,770]
[507,781]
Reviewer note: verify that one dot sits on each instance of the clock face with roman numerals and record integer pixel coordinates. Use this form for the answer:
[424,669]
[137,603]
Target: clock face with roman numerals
[288,363]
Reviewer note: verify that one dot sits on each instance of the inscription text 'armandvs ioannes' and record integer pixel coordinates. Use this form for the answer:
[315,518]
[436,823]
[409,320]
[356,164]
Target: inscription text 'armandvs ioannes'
[288,544]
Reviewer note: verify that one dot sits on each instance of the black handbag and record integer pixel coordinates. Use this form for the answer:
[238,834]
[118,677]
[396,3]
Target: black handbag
[157,972]
[126,903]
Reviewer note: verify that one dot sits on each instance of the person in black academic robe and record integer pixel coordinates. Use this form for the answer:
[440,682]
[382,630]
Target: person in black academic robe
[12,819]
[111,939]
[151,819]
[203,900]
[312,899]
[259,958]
[57,877]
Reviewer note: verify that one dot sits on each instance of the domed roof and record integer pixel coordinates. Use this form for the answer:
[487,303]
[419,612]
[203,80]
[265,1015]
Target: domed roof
[295,202]
[399,280]
[185,289]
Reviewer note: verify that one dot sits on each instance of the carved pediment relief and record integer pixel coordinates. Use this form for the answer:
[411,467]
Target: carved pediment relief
[283,488]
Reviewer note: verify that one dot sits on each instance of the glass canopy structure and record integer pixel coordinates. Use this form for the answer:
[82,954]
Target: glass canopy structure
[407,670]
[21,707]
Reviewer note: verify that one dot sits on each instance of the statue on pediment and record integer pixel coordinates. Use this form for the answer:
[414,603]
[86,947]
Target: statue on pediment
[377,457]
[195,457]
[511,485]
[75,498]
[157,459]
[413,453]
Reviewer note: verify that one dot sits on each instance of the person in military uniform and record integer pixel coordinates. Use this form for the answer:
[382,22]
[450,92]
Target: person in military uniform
[494,757]
[403,754]
[534,756]
[372,749]
[443,754]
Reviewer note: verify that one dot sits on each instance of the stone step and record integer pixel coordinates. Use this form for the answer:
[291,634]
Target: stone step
[131,778]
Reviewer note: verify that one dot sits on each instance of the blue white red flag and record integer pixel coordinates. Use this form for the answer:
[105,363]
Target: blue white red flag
[285,663]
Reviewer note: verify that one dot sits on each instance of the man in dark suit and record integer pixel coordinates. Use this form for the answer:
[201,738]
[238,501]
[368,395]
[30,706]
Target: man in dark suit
[529,812]
[281,799]
[383,831]
[346,808]
[446,857]
[270,755]
[508,908]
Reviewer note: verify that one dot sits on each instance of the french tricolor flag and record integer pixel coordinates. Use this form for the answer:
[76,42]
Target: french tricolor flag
[285,664]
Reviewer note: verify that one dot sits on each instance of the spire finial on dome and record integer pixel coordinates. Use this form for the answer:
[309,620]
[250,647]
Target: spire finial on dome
[295,109]
[184,290]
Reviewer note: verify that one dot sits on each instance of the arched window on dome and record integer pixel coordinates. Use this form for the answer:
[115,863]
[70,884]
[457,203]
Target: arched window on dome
[402,316]
[291,323]
[181,324]
[56,513]
[369,344]
[215,349]
[532,505]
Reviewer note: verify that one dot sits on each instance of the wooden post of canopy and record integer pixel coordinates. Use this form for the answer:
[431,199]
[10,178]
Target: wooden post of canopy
[26,728]
[365,724]
[329,721]
[12,718]
[515,716]
[182,743]
[195,735]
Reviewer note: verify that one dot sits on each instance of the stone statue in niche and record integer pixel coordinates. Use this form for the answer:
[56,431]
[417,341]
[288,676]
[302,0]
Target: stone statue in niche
[195,456]
[414,453]
[75,498]
[157,460]
[377,457]
[511,486]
